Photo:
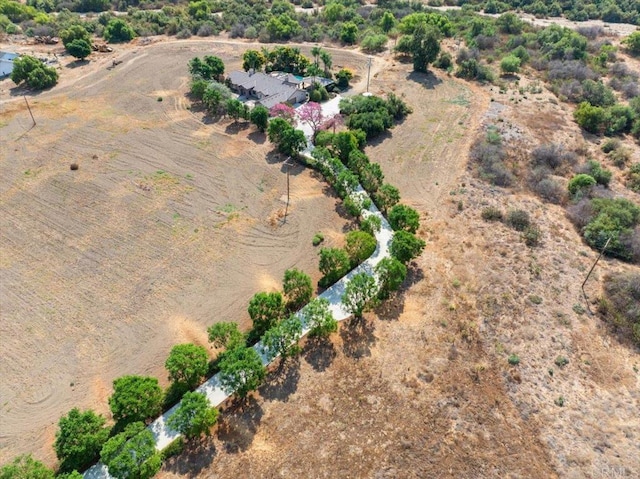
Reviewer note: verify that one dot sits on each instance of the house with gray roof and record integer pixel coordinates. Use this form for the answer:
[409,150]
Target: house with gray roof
[268,89]
[6,63]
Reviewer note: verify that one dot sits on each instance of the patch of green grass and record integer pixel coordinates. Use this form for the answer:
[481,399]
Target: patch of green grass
[460,100]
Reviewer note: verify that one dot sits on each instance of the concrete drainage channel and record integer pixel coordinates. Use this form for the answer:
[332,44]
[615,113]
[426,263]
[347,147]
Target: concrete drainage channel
[212,388]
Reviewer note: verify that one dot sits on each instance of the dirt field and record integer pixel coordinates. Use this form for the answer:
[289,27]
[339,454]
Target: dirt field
[168,226]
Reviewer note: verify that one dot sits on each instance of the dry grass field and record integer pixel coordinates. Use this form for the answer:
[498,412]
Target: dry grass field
[168,226]
[422,388]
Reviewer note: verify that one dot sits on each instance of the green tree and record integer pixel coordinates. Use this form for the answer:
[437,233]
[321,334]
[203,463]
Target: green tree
[344,76]
[334,264]
[360,294]
[282,27]
[117,31]
[349,33]
[234,109]
[241,370]
[33,72]
[360,245]
[79,49]
[132,453]
[260,117]
[371,224]
[510,64]
[371,177]
[265,310]
[405,246]
[194,416]
[346,183]
[282,339]
[135,398]
[215,98]
[387,22]
[75,32]
[632,42]
[589,117]
[510,23]
[297,288]
[391,274]
[187,364]
[25,467]
[79,438]
[253,59]
[425,46]
[69,475]
[327,61]
[317,316]
[403,217]
[387,196]
[225,335]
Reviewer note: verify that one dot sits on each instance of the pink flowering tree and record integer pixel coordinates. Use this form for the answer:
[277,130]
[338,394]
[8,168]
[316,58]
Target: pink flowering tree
[332,122]
[282,110]
[311,113]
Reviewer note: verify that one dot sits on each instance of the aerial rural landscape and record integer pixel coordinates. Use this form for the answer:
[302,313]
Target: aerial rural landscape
[331,239]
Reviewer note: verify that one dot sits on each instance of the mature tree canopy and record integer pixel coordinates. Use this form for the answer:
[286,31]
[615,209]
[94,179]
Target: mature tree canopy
[194,416]
[282,339]
[265,310]
[360,294]
[405,246]
[403,217]
[225,335]
[359,246]
[25,467]
[79,49]
[260,117]
[118,30]
[79,438]
[132,453]
[334,264]
[297,288]
[391,274]
[317,316]
[33,72]
[75,32]
[425,46]
[241,370]
[135,398]
[387,196]
[253,59]
[187,364]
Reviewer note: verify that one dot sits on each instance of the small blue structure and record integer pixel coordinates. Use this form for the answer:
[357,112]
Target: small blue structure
[6,63]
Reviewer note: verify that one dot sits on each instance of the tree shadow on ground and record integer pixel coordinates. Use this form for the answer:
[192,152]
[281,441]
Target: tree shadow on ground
[78,63]
[378,139]
[282,382]
[236,127]
[319,352]
[392,308]
[428,80]
[198,455]
[239,424]
[257,137]
[357,337]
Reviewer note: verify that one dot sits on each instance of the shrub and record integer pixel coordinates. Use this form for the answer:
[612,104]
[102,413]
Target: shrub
[612,219]
[33,72]
[514,360]
[359,246]
[550,190]
[610,145]
[510,64]
[591,118]
[317,239]
[519,220]
[621,303]
[371,224]
[491,213]
[444,61]
[531,235]
[118,30]
[633,178]
[553,156]
[581,183]
[620,157]
[403,217]
[561,361]
[595,170]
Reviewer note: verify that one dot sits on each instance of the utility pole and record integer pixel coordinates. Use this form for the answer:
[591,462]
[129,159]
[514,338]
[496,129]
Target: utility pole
[30,113]
[369,72]
[591,271]
[286,208]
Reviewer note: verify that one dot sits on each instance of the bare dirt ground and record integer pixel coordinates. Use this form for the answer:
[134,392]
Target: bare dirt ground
[168,226]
